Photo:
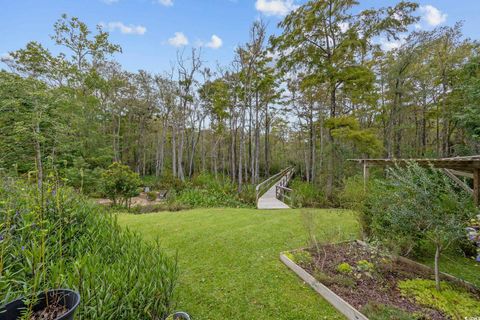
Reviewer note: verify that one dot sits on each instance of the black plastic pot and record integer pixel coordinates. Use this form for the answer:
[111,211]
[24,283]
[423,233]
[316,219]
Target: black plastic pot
[65,297]
[180,316]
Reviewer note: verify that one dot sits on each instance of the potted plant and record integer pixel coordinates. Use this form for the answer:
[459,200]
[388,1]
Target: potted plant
[179,316]
[57,304]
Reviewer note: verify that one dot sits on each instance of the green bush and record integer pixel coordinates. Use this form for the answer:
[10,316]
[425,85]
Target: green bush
[365,266]
[353,194]
[206,198]
[452,301]
[83,177]
[344,267]
[306,195]
[205,191]
[156,207]
[152,196]
[416,206]
[165,182]
[120,183]
[56,238]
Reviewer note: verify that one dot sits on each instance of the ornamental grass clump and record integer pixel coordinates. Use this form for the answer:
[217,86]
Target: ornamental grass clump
[53,238]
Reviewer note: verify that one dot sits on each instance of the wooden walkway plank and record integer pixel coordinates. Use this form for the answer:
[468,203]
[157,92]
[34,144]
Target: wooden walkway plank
[269,201]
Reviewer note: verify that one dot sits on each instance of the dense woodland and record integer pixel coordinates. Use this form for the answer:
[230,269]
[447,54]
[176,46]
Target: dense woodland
[322,91]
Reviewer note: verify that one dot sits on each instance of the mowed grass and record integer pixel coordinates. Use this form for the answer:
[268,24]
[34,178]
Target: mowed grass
[456,265]
[229,260]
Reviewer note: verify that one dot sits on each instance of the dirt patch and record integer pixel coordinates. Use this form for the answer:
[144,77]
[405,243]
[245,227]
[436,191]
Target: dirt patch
[361,276]
[141,201]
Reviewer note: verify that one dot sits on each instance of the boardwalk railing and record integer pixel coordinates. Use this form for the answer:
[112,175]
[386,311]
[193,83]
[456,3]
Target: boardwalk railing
[261,188]
[281,188]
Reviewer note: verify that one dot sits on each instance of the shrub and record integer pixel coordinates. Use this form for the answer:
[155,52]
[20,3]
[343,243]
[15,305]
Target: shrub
[152,196]
[453,302]
[208,198]
[56,238]
[83,177]
[344,267]
[365,266]
[419,205]
[120,182]
[301,257]
[306,195]
[353,195]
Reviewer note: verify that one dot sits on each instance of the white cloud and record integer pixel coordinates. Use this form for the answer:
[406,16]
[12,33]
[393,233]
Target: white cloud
[5,57]
[166,3]
[178,40]
[215,43]
[432,15]
[344,26]
[275,7]
[125,29]
[392,44]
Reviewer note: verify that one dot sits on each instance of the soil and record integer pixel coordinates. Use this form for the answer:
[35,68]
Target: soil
[141,200]
[374,285]
[52,312]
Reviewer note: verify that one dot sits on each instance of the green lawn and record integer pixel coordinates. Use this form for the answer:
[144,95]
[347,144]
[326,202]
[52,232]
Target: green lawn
[458,266]
[229,260]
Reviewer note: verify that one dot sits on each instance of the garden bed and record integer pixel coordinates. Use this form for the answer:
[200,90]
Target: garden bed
[361,281]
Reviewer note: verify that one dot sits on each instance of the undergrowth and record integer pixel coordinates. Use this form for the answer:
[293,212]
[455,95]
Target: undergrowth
[58,239]
[454,302]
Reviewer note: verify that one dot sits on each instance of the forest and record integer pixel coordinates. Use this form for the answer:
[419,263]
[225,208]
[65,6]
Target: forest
[321,92]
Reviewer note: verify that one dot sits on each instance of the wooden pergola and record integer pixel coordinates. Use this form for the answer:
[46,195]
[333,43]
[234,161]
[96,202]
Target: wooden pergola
[456,167]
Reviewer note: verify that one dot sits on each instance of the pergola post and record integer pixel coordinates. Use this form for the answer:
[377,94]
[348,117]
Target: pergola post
[476,186]
[365,175]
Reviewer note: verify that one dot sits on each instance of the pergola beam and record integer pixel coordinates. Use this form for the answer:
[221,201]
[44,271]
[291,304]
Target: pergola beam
[458,166]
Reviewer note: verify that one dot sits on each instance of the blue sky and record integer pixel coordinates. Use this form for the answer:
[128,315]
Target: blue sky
[151,31]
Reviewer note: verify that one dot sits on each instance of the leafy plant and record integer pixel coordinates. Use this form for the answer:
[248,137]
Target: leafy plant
[306,195]
[353,194]
[64,240]
[120,182]
[345,268]
[300,257]
[152,196]
[365,266]
[417,205]
[452,301]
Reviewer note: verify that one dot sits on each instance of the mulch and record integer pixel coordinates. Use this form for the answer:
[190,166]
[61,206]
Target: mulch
[379,286]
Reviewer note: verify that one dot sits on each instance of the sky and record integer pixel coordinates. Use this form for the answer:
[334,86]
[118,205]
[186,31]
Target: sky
[152,31]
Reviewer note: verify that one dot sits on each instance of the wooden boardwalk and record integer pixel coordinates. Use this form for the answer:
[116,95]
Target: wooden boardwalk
[269,200]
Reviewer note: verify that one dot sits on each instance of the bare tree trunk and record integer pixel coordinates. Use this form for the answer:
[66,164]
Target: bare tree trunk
[267,142]
[445,146]
[174,152]
[180,171]
[437,270]
[161,157]
[203,151]
[311,145]
[241,152]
